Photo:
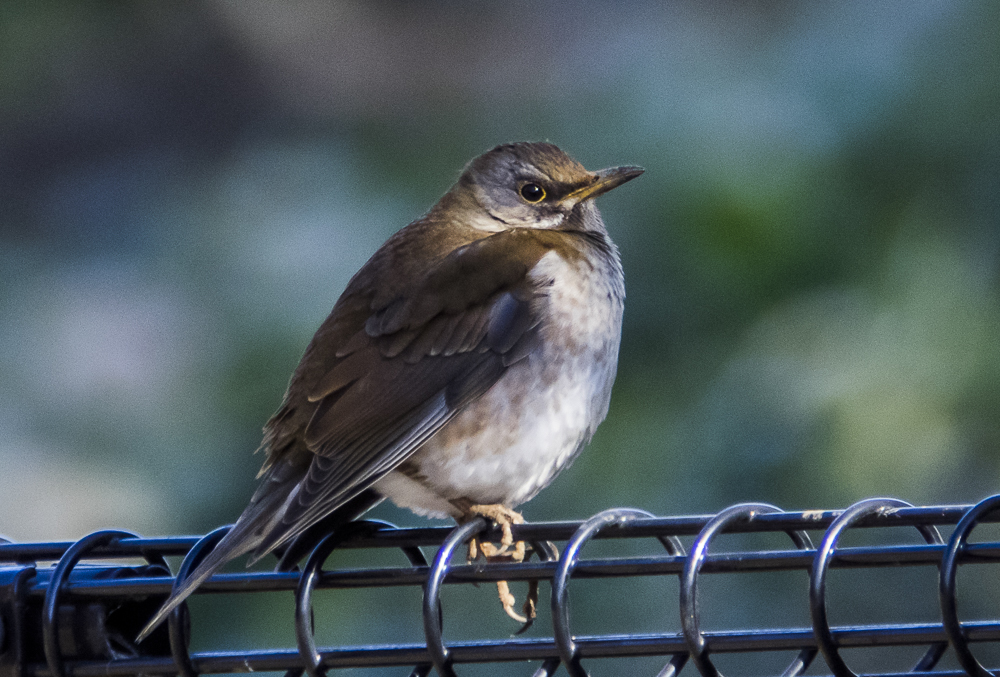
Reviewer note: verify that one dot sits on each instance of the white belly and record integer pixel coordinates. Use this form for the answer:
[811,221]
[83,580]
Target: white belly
[512,441]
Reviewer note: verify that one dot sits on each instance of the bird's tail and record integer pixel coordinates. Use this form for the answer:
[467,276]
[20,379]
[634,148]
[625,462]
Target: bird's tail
[244,536]
[255,525]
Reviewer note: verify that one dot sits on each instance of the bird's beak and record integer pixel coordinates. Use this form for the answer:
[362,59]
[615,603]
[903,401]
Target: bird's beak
[604,180]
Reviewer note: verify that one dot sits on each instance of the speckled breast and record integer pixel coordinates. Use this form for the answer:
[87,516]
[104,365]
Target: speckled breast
[511,442]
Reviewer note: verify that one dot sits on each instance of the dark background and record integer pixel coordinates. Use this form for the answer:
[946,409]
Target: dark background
[811,259]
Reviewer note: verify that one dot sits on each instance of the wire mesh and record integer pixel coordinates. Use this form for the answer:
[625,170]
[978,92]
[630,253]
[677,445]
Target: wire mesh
[60,618]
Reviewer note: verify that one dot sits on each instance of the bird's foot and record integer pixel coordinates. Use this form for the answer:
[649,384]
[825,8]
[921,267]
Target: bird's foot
[509,551]
[503,517]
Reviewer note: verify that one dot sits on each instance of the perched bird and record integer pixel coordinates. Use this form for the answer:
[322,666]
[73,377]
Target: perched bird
[466,364]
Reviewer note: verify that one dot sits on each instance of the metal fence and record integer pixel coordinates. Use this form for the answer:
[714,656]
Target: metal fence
[79,619]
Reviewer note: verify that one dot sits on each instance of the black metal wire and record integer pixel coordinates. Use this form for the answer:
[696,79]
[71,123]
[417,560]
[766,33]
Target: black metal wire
[698,647]
[946,594]
[36,599]
[57,584]
[305,639]
[178,622]
[817,587]
[615,517]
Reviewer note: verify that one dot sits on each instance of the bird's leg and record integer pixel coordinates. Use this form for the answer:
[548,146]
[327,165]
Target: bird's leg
[504,517]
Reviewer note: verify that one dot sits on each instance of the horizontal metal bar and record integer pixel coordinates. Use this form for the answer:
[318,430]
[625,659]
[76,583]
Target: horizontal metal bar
[810,520]
[657,565]
[520,649]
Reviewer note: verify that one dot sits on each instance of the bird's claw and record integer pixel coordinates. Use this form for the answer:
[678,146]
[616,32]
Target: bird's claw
[493,554]
[504,517]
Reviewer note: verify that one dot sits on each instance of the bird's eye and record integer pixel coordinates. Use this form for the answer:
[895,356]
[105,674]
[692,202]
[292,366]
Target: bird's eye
[532,192]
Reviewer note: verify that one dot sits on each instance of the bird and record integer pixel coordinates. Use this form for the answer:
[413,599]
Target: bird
[465,365]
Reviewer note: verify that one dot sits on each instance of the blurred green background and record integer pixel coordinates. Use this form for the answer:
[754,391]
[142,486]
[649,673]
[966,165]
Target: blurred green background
[811,257]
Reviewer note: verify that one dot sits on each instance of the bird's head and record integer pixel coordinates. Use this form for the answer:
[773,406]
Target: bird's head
[532,185]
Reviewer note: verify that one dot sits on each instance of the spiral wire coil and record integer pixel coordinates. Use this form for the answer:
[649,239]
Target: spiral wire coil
[65,597]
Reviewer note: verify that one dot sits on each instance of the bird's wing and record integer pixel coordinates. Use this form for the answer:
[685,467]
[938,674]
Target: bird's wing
[407,362]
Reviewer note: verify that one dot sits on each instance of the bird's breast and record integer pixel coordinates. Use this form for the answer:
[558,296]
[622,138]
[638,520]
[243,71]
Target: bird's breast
[513,440]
